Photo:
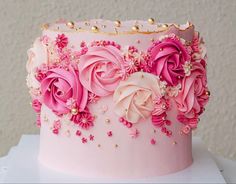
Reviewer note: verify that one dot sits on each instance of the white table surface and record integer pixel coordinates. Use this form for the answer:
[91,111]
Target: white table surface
[11,170]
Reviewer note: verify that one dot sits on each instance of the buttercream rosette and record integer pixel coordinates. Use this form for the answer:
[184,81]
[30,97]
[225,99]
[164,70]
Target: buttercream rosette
[134,97]
[59,86]
[193,94]
[101,69]
[167,58]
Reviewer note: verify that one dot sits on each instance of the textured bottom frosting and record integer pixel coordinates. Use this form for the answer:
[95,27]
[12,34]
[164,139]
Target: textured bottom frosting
[116,156]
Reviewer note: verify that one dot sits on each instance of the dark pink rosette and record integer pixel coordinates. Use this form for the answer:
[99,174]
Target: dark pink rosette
[167,58]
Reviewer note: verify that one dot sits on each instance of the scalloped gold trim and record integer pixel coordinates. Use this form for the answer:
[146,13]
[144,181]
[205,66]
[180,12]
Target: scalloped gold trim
[159,29]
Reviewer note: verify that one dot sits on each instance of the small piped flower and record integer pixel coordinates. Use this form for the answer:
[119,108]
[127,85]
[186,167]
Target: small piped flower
[153,141]
[186,129]
[92,98]
[84,140]
[109,133]
[134,133]
[61,41]
[91,137]
[57,124]
[78,133]
[83,119]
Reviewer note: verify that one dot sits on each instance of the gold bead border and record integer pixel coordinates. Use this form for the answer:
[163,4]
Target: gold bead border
[159,29]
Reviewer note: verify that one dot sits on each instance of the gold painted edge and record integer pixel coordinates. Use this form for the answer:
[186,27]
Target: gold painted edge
[160,29]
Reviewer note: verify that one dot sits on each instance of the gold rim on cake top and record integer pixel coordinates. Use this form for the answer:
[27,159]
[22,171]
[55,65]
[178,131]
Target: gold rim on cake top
[95,27]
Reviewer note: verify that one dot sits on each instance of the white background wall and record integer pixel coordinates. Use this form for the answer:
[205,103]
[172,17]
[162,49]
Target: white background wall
[20,22]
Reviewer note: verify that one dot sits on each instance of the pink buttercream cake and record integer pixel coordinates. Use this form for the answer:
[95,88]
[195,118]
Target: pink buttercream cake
[117,99]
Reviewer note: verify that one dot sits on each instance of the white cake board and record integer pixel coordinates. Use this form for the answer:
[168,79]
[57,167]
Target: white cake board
[23,167]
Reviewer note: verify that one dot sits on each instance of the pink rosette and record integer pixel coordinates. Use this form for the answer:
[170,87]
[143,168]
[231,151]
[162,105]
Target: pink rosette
[167,58]
[134,97]
[193,95]
[100,69]
[59,86]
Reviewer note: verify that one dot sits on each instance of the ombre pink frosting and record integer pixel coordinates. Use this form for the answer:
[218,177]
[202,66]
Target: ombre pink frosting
[192,96]
[134,97]
[61,85]
[167,58]
[101,69]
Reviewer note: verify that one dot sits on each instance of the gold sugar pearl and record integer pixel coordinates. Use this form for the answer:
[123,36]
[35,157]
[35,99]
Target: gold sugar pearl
[104,26]
[107,120]
[74,111]
[151,21]
[174,143]
[45,26]
[208,93]
[165,25]
[135,28]
[117,23]
[94,29]
[70,24]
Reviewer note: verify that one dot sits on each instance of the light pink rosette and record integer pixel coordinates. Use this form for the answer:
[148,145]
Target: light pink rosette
[61,85]
[167,58]
[134,97]
[100,69]
[193,94]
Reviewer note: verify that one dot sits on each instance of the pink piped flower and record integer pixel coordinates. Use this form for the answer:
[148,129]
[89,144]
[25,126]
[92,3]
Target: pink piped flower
[57,124]
[55,131]
[191,121]
[61,85]
[161,105]
[83,44]
[186,129]
[100,69]
[36,104]
[109,133]
[71,103]
[153,141]
[91,137]
[61,41]
[159,120]
[84,140]
[78,133]
[134,133]
[193,94]
[167,58]
[41,72]
[84,119]
[92,98]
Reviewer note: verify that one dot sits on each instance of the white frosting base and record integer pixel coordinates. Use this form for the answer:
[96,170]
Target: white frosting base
[133,158]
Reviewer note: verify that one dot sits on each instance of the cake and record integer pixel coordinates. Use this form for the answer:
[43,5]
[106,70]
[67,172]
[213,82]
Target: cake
[117,99]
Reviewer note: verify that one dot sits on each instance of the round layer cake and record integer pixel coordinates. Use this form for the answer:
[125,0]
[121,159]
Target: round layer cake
[117,99]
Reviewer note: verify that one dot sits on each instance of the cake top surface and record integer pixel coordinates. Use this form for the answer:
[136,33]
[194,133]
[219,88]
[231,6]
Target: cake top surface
[114,27]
